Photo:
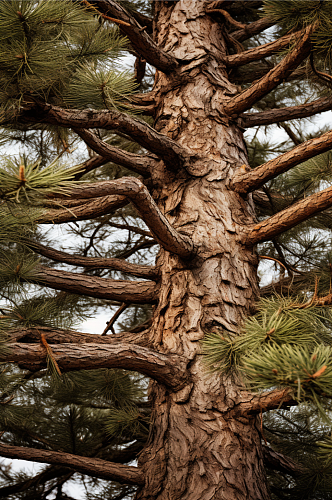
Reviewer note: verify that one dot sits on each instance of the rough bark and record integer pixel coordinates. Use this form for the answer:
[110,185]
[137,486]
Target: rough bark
[136,292]
[168,370]
[194,452]
[91,466]
[245,182]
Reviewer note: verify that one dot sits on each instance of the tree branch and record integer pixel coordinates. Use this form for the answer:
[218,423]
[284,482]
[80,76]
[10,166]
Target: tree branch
[136,292]
[94,467]
[284,114]
[137,163]
[89,210]
[140,197]
[148,272]
[272,79]
[266,50]
[167,369]
[265,401]
[168,150]
[140,40]
[60,336]
[288,218]
[277,461]
[91,164]
[245,182]
[252,29]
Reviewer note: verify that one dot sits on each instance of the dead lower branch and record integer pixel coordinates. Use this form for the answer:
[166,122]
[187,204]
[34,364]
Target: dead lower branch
[137,292]
[245,182]
[142,164]
[167,369]
[139,195]
[284,114]
[140,40]
[288,218]
[148,272]
[272,79]
[94,467]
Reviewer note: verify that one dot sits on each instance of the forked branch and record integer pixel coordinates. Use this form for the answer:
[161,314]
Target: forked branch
[140,40]
[135,190]
[284,114]
[288,218]
[272,79]
[142,164]
[94,467]
[168,150]
[148,272]
[245,182]
[167,369]
[136,292]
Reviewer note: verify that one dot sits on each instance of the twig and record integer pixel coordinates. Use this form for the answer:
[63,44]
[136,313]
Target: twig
[271,258]
[115,316]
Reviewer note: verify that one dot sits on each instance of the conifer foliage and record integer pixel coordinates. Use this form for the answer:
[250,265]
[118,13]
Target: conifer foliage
[142,177]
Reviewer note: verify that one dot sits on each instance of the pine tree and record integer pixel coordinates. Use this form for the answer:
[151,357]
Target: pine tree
[210,386]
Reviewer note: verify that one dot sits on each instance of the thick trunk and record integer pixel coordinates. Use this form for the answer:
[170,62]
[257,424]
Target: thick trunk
[196,450]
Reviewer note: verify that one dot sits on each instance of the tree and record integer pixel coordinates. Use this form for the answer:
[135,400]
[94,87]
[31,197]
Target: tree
[218,357]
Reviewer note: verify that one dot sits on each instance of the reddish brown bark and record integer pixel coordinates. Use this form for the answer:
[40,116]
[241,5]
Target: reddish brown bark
[272,79]
[245,182]
[91,466]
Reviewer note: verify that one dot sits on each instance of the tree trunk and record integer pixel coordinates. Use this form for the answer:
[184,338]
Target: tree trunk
[194,450]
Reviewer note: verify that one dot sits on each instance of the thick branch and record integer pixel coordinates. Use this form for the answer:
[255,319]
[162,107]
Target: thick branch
[140,40]
[149,272]
[266,401]
[277,461]
[168,369]
[94,467]
[170,151]
[272,79]
[60,336]
[137,163]
[288,218]
[252,29]
[250,181]
[266,50]
[136,292]
[135,190]
[284,114]
[90,210]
